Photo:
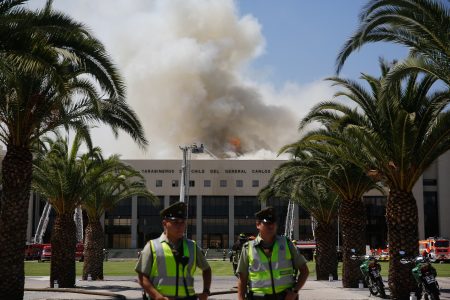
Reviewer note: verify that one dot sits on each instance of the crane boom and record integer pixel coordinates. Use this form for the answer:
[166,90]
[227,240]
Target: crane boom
[184,173]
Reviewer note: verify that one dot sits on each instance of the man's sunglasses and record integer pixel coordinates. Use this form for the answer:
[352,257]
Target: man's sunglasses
[176,221]
[268,223]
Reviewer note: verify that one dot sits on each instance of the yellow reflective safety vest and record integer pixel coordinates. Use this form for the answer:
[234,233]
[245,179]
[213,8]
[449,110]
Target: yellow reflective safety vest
[163,274]
[269,275]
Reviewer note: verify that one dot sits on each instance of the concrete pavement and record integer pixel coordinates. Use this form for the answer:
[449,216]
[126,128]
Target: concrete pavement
[119,287]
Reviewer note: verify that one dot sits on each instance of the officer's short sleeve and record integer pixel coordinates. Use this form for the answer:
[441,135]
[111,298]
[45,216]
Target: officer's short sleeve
[202,263]
[145,261]
[242,266]
[299,260]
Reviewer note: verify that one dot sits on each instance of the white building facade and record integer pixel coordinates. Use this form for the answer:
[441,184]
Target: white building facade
[222,200]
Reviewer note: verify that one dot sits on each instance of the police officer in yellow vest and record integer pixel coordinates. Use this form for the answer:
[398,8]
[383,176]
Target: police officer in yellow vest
[167,264]
[269,264]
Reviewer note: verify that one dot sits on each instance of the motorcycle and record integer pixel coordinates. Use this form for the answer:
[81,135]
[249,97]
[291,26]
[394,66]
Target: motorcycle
[425,275]
[370,268]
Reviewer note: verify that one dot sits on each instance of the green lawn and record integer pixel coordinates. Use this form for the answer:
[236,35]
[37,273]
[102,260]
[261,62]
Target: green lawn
[220,268]
[111,268]
[443,270]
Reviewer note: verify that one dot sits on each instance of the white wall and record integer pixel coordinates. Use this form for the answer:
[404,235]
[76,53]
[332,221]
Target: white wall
[444,194]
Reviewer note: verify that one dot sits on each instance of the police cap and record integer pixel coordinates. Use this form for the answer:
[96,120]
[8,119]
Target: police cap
[175,211]
[266,215]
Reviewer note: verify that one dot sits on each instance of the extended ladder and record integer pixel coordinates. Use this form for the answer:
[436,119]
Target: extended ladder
[43,223]
[289,224]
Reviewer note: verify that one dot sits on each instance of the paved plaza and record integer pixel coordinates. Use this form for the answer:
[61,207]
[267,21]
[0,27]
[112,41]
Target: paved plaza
[126,287]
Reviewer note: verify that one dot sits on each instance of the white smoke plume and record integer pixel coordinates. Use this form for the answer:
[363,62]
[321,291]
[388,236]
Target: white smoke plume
[183,61]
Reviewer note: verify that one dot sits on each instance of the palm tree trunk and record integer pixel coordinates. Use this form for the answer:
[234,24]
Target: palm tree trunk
[353,219]
[63,251]
[401,217]
[326,255]
[16,173]
[93,251]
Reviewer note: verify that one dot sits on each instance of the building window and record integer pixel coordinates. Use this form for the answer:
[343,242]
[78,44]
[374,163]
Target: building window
[244,214]
[376,228]
[191,183]
[255,183]
[431,213]
[149,223]
[239,183]
[118,222]
[215,222]
[121,241]
[174,183]
[121,222]
[429,182]
[207,183]
[158,183]
[223,183]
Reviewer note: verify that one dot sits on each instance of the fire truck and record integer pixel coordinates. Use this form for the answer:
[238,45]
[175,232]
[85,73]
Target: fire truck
[306,248]
[381,254]
[436,248]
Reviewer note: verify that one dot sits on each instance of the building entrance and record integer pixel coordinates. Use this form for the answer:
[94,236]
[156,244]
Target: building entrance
[215,241]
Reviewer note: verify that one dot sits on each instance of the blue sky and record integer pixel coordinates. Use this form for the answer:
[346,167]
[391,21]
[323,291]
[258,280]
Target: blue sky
[211,71]
[303,39]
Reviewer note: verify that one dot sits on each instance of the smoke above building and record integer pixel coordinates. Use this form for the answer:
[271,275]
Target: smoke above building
[183,62]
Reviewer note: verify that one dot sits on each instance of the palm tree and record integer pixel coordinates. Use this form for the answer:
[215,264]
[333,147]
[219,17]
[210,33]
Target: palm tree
[420,25]
[124,182]
[23,34]
[289,182]
[37,100]
[399,135]
[350,183]
[65,177]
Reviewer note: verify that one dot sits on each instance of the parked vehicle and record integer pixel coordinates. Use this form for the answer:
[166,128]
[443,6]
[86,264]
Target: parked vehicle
[384,255]
[425,275]
[46,254]
[380,254]
[33,251]
[306,248]
[371,269]
[79,252]
[436,248]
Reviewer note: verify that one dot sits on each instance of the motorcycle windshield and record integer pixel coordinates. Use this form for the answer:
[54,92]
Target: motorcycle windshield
[429,279]
[375,273]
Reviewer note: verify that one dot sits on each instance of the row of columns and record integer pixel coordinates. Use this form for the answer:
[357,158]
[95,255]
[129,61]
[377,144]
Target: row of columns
[199,219]
[134,218]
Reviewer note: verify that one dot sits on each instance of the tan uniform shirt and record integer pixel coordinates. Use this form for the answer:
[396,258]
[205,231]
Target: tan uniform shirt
[145,262]
[298,259]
